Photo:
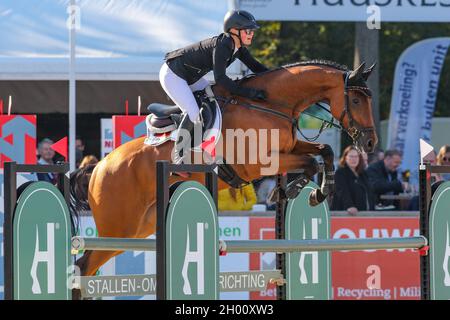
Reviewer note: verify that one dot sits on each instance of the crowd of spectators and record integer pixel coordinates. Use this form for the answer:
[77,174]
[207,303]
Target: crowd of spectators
[362,183]
[46,155]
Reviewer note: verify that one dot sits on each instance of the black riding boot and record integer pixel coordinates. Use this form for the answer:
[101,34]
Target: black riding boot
[181,142]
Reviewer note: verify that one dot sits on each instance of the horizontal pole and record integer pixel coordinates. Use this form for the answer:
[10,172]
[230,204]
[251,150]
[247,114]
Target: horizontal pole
[113,244]
[236,246]
[438,169]
[38,168]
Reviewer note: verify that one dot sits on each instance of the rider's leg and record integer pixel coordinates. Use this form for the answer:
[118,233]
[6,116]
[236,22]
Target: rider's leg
[201,84]
[180,93]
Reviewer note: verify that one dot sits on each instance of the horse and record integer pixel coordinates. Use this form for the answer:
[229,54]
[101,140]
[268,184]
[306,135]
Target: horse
[122,187]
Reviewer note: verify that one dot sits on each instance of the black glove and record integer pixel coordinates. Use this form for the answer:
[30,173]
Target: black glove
[257,94]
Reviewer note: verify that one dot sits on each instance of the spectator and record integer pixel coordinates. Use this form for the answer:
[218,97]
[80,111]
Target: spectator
[353,192]
[429,159]
[90,159]
[237,199]
[383,177]
[46,154]
[443,159]
[79,150]
[375,156]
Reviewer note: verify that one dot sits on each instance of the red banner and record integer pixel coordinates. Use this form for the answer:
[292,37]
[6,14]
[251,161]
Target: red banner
[358,275]
[127,128]
[18,139]
[263,229]
[375,274]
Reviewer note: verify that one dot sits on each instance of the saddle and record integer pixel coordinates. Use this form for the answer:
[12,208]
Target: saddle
[163,120]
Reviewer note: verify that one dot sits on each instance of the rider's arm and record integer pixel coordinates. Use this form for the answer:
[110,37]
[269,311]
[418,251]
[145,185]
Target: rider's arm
[222,53]
[250,61]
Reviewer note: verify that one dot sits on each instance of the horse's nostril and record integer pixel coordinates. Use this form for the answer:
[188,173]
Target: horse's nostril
[370,144]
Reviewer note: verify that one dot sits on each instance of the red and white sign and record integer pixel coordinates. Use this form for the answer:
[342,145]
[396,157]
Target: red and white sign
[18,139]
[375,274]
[263,229]
[357,275]
[106,137]
[127,128]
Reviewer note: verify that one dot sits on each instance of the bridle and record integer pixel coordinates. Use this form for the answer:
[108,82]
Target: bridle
[354,130]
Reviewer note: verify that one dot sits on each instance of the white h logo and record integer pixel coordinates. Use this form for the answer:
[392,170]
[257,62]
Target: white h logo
[314,255]
[197,257]
[445,264]
[44,256]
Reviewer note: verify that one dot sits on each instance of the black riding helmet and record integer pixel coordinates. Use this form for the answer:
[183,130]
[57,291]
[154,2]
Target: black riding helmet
[239,19]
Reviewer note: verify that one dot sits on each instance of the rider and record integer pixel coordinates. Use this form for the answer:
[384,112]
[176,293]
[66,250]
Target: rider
[183,71]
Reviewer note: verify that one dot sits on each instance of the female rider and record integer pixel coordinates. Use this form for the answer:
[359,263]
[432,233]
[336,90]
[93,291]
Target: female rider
[184,70]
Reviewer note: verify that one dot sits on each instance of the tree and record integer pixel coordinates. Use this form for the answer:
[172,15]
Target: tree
[278,43]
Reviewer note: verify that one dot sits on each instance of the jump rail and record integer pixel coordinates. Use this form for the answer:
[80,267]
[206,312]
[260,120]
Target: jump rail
[241,246]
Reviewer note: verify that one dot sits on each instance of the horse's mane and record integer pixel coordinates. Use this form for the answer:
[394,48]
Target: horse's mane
[315,62]
[318,62]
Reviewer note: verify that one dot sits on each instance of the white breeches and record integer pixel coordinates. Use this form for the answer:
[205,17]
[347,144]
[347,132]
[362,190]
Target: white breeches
[180,92]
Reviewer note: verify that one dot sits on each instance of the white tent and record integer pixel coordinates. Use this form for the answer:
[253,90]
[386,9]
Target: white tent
[116,39]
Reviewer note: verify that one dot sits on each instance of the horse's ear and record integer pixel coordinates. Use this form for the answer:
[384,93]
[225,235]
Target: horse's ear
[367,72]
[357,74]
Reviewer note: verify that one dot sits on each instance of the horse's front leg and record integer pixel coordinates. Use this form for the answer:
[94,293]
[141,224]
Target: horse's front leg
[292,163]
[325,151]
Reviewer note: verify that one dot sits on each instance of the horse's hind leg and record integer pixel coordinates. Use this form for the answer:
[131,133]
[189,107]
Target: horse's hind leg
[92,260]
[89,263]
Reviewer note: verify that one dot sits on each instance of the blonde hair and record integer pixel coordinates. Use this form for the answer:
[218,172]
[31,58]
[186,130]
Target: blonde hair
[90,159]
[444,149]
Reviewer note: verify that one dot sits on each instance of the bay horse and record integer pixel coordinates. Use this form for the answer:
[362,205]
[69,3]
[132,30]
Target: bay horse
[122,187]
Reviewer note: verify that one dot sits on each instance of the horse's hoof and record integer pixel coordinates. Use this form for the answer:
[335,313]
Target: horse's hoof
[76,294]
[316,197]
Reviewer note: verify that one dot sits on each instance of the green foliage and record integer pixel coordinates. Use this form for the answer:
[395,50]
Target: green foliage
[279,43]
[394,39]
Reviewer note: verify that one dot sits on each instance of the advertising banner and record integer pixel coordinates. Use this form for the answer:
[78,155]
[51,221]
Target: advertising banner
[375,274]
[18,139]
[106,136]
[414,95]
[127,128]
[344,10]
[357,275]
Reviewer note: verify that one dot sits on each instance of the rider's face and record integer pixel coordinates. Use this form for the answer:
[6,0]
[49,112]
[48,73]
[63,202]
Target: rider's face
[247,36]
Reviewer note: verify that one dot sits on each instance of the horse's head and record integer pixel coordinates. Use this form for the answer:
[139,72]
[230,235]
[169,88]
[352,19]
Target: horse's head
[355,115]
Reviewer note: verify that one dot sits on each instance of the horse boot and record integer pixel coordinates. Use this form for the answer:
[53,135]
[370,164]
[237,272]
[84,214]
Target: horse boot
[181,142]
[295,186]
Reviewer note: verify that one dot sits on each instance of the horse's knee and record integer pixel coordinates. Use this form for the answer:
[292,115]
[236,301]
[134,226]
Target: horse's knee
[326,151]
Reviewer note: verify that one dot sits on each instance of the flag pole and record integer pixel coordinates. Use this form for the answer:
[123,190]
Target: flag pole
[72,85]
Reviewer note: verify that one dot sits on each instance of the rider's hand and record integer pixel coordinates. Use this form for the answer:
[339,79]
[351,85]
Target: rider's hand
[257,94]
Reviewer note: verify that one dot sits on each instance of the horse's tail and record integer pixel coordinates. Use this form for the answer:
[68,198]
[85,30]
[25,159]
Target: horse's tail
[79,183]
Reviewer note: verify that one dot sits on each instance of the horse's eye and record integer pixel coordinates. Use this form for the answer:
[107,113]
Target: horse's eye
[355,101]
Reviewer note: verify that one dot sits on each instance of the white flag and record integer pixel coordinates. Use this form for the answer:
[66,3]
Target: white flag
[425,150]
